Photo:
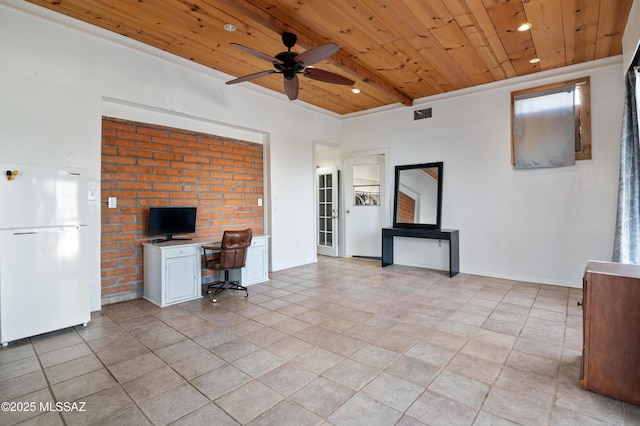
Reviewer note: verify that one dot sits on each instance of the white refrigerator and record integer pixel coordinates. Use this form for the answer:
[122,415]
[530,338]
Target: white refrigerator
[44,272]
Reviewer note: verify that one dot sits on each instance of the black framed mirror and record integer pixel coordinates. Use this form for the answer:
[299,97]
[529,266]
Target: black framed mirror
[418,196]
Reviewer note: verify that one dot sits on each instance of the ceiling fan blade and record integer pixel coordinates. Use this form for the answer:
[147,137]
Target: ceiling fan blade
[251,76]
[257,54]
[327,76]
[291,87]
[316,54]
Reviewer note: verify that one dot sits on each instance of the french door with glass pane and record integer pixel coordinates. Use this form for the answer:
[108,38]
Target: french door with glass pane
[327,179]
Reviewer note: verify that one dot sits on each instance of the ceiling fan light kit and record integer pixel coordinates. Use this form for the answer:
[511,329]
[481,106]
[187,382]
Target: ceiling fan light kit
[290,64]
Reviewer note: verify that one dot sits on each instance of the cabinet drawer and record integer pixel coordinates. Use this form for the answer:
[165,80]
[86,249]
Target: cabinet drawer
[258,241]
[180,251]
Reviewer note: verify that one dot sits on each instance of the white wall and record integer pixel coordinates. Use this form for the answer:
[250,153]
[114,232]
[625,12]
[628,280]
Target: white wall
[59,76]
[539,225]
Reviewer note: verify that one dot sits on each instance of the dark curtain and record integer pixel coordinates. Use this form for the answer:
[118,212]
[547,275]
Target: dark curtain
[627,239]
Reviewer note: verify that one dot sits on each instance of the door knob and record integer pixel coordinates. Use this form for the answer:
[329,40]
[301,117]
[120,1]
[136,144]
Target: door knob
[348,211]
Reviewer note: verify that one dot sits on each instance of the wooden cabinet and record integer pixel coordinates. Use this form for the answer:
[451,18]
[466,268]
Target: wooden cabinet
[611,312]
[171,272]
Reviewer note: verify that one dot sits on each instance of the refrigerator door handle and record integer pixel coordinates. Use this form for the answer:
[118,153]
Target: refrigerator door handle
[47,230]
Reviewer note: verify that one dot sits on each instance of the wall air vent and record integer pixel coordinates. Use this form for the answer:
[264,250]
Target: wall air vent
[419,114]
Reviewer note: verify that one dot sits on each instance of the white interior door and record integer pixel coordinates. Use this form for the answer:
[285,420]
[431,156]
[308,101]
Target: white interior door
[327,210]
[364,185]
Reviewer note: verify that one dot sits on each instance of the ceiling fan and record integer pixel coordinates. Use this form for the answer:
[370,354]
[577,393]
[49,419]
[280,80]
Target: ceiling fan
[290,64]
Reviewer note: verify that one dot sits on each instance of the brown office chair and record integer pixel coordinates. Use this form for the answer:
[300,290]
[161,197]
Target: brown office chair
[231,254]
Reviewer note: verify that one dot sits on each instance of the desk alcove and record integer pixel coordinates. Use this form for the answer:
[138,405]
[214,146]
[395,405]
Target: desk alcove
[172,272]
[450,235]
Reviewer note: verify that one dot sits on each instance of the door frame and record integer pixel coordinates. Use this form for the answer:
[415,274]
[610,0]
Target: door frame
[322,161]
[332,170]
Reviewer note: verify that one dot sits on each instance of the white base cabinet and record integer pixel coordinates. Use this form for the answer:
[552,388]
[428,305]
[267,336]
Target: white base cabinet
[256,268]
[171,272]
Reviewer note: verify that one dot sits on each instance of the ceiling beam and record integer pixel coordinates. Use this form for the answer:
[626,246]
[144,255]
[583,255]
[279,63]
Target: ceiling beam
[340,59]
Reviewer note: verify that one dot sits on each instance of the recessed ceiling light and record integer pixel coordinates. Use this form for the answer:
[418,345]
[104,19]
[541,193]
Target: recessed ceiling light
[525,27]
[229,27]
[355,90]
[534,60]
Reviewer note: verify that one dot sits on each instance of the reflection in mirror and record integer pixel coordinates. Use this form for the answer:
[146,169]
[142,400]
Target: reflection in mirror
[366,185]
[418,196]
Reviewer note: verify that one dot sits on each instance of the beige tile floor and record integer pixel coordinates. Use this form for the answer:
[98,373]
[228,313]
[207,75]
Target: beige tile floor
[340,342]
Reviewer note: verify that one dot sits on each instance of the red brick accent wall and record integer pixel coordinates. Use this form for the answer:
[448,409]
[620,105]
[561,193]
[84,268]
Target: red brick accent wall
[406,208]
[146,165]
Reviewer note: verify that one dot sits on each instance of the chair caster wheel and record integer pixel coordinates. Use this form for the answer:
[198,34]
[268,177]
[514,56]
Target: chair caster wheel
[214,300]
[246,295]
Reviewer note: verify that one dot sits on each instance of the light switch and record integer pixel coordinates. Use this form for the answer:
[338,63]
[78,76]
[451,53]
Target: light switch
[259,202]
[112,202]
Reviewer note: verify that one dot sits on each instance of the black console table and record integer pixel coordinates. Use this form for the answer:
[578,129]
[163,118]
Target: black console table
[450,235]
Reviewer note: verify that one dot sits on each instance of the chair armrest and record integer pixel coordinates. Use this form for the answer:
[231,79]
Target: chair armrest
[211,246]
[210,256]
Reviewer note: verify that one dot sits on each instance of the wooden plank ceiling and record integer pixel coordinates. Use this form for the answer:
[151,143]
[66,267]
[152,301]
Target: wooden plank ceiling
[395,50]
